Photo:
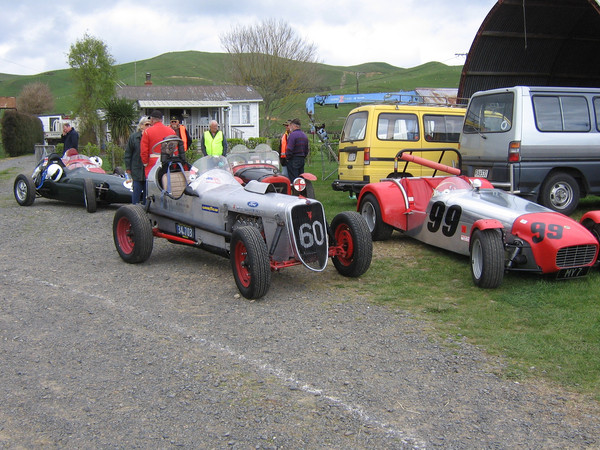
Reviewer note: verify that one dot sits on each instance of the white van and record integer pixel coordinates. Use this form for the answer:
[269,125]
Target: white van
[539,142]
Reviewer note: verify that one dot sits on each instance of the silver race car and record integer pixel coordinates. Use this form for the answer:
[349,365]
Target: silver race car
[259,230]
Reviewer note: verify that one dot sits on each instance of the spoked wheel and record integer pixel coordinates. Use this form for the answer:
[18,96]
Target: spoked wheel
[350,231]
[132,233]
[24,190]
[250,262]
[371,212]
[487,259]
[89,195]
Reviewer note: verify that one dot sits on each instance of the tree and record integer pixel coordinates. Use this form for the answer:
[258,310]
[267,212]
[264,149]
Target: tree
[35,98]
[95,79]
[121,113]
[273,59]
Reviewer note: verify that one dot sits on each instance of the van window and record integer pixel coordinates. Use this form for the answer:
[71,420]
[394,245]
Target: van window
[597,112]
[440,128]
[489,114]
[397,127]
[355,126]
[561,113]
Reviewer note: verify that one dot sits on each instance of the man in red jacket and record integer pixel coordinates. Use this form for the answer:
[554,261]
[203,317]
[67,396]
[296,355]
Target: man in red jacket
[155,133]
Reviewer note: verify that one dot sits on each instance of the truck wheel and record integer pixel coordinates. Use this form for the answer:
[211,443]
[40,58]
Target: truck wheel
[250,262]
[24,190]
[560,192]
[487,259]
[350,232]
[89,195]
[132,233]
[371,212]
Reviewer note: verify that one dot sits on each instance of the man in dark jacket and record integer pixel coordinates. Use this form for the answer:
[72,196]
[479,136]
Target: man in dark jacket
[133,162]
[297,150]
[70,137]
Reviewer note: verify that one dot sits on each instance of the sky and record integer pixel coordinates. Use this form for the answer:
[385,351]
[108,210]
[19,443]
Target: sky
[36,35]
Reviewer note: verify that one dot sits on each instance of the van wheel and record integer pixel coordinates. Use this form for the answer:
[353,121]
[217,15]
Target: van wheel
[560,192]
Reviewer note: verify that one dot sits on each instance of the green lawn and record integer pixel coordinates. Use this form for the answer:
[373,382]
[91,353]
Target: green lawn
[541,327]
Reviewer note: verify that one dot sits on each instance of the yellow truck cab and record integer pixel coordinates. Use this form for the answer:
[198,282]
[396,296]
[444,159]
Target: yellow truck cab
[374,134]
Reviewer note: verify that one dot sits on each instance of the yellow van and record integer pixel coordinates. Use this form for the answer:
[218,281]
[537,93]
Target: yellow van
[374,134]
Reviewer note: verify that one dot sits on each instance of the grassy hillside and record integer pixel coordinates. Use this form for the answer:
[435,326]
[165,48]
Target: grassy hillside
[201,68]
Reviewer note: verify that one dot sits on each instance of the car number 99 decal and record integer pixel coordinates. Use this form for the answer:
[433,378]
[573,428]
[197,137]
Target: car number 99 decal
[450,218]
[538,229]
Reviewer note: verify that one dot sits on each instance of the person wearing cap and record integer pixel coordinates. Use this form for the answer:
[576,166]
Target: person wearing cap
[283,147]
[296,151]
[213,142]
[181,132]
[133,162]
[153,134]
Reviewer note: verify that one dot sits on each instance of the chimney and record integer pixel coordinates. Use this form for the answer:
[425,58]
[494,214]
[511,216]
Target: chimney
[148,80]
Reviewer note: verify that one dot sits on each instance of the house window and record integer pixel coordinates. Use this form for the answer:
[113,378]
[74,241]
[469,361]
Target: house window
[240,114]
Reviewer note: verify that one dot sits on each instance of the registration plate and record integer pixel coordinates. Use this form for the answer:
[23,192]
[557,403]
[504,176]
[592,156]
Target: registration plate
[481,173]
[184,231]
[352,157]
[573,272]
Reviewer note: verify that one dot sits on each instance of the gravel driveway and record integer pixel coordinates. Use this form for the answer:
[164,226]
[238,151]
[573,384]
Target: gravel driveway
[99,353]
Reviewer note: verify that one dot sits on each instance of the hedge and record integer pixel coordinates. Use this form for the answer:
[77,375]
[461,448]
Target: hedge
[20,133]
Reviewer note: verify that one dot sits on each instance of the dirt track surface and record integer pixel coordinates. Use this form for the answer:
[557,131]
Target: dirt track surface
[99,353]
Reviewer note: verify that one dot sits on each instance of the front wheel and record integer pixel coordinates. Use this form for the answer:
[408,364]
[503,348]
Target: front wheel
[89,195]
[24,190]
[561,193]
[487,259]
[371,212]
[250,262]
[132,233]
[350,232]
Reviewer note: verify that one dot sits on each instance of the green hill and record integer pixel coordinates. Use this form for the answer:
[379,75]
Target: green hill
[201,68]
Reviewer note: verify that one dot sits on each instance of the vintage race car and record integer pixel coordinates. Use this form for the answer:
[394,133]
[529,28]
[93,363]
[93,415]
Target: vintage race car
[499,231]
[74,178]
[262,164]
[258,229]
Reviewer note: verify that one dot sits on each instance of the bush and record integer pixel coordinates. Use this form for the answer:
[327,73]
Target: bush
[20,133]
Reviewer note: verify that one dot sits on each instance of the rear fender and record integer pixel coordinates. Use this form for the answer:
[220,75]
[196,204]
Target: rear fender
[308,176]
[591,215]
[392,199]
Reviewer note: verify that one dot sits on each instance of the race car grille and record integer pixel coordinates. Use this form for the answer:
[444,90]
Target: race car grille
[577,255]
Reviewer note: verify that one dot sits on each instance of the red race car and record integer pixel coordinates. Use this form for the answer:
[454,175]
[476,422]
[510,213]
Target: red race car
[498,230]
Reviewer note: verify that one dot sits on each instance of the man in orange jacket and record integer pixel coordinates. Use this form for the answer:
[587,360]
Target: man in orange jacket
[155,133]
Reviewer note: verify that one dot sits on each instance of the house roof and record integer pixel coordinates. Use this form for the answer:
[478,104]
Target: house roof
[188,96]
[535,42]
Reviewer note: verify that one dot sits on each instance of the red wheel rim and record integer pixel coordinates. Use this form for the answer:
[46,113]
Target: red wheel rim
[343,237]
[124,235]
[241,268]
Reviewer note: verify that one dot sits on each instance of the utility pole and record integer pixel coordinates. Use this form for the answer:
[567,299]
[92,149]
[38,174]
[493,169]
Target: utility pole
[357,75]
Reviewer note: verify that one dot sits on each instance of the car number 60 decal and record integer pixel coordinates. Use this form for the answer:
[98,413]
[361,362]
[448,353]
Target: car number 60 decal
[450,218]
[310,234]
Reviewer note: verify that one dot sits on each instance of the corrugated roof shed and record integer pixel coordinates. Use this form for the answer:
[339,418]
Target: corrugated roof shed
[535,42]
[197,94]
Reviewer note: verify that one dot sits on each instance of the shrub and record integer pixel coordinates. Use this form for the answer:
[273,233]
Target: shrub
[20,133]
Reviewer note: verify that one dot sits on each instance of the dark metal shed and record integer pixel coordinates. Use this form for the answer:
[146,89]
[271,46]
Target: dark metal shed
[535,42]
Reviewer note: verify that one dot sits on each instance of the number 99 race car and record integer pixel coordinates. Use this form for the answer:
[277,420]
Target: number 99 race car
[258,229]
[499,231]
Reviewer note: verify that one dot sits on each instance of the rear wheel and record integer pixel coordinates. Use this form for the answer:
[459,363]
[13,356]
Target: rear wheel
[132,233]
[561,193]
[24,190]
[350,232]
[250,262]
[371,212]
[487,258]
[89,195]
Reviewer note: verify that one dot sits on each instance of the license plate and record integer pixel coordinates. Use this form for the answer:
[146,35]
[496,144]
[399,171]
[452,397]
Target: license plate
[351,157]
[573,272]
[481,173]
[184,231]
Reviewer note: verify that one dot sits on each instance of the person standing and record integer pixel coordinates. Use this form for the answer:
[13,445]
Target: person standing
[70,137]
[283,148]
[133,162]
[213,142]
[153,134]
[182,133]
[296,151]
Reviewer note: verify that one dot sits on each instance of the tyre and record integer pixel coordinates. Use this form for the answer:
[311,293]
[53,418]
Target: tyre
[350,231]
[119,171]
[309,190]
[24,190]
[371,212]
[250,262]
[560,192]
[89,195]
[487,259]
[132,233]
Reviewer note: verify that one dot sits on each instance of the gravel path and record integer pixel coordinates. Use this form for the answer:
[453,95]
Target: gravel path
[99,353]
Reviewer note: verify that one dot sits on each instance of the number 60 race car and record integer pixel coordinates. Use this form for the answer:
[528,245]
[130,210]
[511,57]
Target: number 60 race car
[499,231]
[258,229]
